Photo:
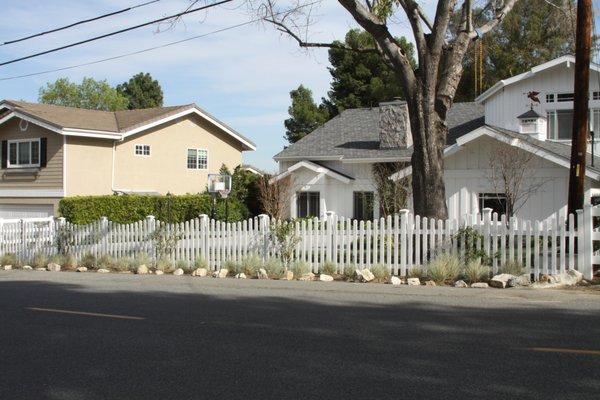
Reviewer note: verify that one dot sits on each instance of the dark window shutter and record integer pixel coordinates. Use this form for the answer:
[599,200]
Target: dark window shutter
[43,151]
[4,153]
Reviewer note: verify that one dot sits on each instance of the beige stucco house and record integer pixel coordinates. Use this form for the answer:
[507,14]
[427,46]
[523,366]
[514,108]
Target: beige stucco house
[50,152]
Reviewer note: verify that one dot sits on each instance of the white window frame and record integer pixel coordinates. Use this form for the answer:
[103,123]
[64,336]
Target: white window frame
[553,114]
[17,141]
[142,147]
[197,150]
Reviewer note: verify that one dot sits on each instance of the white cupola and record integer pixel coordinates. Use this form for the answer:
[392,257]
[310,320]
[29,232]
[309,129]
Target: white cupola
[533,124]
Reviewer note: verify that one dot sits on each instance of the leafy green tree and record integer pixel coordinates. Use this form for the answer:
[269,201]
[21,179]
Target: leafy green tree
[142,91]
[90,94]
[305,115]
[362,79]
[535,31]
[244,188]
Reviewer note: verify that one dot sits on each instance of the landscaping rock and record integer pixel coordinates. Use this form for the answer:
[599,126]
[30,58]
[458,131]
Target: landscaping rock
[223,272]
[41,269]
[54,267]
[480,285]
[366,275]
[262,274]
[573,277]
[430,283]
[413,282]
[501,281]
[81,269]
[178,272]
[396,281]
[159,272]
[569,278]
[7,267]
[142,270]
[103,271]
[27,268]
[289,276]
[521,280]
[240,276]
[201,272]
[461,284]
[307,277]
[325,278]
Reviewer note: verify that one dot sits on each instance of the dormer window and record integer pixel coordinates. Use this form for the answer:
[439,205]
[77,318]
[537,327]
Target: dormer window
[529,125]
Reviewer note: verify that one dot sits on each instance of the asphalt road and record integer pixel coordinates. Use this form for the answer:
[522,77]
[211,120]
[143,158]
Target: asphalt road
[95,336]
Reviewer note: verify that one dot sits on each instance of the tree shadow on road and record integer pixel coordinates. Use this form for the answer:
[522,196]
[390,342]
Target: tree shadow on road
[200,346]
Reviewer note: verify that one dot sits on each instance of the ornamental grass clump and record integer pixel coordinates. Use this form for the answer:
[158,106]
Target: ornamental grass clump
[233,267]
[69,262]
[39,260]
[184,265]
[300,268]
[513,268]
[329,268]
[349,272]
[165,265]
[89,261]
[381,272]
[444,268]
[124,264]
[9,259]
[274,268]
[200,262]
[417,272]
[105,262]
[251,264]
[475,271]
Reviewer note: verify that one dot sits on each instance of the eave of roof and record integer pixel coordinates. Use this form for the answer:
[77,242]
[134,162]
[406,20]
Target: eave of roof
[567,59]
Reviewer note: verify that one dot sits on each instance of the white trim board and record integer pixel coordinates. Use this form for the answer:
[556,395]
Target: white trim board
[32,193]
[318,169]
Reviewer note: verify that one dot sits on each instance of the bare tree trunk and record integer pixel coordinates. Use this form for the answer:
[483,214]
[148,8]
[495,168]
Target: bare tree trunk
[429,134]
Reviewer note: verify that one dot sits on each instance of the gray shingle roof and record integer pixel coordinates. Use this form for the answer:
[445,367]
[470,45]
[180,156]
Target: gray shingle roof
[354,134]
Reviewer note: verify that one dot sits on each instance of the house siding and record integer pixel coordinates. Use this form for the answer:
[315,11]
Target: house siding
[466,174]
[89,166]
[165,170]
[49,177]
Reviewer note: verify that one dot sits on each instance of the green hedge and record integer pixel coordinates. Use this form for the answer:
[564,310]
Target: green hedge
[131,208]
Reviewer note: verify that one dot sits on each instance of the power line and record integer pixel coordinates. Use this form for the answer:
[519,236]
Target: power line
[151,48]
[116,32]
[85,21]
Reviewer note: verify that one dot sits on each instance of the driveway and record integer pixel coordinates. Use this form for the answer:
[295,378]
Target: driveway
[96,336]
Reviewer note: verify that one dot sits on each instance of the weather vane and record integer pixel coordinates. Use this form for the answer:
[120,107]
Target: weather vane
[533,96]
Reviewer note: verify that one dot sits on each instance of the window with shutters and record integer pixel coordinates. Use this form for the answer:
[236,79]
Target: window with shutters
[23,153]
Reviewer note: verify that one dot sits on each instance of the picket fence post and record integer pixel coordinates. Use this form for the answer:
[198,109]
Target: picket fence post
[264,229]
[151,222]
[587,247]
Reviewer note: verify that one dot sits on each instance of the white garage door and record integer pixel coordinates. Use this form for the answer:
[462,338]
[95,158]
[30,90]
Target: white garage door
[26,210]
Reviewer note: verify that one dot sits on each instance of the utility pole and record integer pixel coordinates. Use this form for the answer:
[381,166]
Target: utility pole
[583,44]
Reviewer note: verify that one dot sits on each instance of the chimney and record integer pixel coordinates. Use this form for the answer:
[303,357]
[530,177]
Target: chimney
[533,124]
[394,125]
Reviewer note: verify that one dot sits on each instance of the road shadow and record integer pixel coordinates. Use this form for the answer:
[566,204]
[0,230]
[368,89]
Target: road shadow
[200,346]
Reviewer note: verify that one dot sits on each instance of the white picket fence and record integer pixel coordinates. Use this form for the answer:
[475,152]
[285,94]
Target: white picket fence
[401,242]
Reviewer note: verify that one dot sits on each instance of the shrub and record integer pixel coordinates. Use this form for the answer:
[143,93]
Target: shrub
[184,265]
[274,268]
[416,272]
[124,264]
[349,272]
[164,265]
[232,267]
[89,261]
[300,268]
[56,259]
[106,262]
[513,268]
[39,260]
[251,264]
[9,259]
[329,268]
[445,267]
[381,272]
[143,258]
[200,262]
[69,262]
[475,271]
[131,208]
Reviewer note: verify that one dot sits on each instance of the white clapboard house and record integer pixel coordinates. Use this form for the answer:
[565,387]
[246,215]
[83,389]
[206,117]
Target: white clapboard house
[332,166]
